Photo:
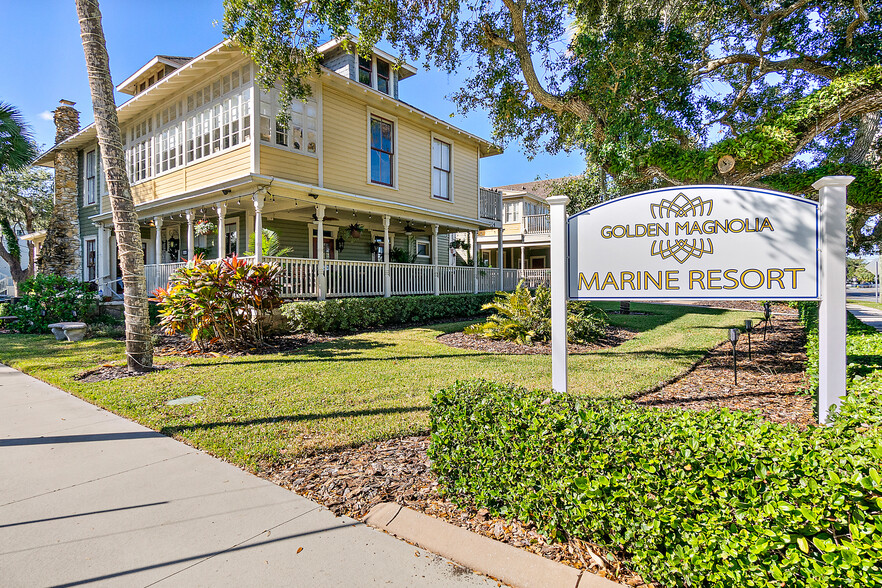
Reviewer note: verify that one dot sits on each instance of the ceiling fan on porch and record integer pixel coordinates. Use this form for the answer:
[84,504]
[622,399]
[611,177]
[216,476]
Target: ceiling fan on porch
[410,229]
[327,218]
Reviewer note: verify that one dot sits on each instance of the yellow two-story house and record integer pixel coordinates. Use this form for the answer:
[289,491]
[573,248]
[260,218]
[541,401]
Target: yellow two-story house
[362,189]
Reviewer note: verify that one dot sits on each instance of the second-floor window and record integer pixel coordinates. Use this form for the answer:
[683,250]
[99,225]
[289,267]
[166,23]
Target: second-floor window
[299,133]
[91,176]
[440,169]
[382,151]
[511,212]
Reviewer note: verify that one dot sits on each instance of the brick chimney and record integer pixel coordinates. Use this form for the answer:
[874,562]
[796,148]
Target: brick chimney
[61,253]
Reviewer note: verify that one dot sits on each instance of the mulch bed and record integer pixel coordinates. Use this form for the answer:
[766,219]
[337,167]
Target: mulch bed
[772,382]
[613,337]
[179,345]
[351,481]
[777,307]
[115,372]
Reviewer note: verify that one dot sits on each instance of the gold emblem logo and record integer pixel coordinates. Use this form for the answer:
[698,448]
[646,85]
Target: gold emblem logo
[680,249]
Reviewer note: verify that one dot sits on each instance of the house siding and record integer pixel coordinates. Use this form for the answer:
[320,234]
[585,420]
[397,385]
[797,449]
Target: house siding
[287,165]
[346,151]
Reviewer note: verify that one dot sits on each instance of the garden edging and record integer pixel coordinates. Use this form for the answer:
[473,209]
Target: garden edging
[515,567]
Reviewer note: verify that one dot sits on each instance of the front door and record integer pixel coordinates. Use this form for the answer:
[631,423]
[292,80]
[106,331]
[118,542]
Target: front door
[329,247]
[537,263]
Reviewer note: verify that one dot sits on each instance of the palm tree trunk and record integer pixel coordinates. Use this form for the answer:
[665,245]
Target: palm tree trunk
[139,346]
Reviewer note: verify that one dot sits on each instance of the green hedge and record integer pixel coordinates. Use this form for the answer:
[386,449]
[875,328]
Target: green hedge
[714,498]
[355,314]
[864,345]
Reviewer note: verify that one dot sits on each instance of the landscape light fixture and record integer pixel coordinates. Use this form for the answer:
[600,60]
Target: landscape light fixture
[767,317]
[748,327]
[733,339]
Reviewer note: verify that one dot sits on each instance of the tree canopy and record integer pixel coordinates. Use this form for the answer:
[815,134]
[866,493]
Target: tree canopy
[656,92]
[26,198]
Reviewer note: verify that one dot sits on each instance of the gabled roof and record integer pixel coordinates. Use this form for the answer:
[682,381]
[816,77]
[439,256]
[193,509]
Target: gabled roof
[129,84]
[541,188]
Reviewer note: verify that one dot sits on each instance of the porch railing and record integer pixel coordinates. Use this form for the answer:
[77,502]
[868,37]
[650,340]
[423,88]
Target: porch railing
[299,278]
[537,224]
[488,204]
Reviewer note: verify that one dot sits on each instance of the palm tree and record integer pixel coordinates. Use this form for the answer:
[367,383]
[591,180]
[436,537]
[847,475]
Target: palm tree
[17,147]
[139,346]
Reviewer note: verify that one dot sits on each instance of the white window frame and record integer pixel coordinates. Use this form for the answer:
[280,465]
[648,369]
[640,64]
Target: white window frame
[427,243]
[94,242]
[271,101]
[373,113]
[91,181]
[515,207]
[450,190]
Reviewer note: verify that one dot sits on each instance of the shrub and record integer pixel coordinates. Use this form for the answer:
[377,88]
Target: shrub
[715,498]
[219,302]
[353,314]
[526,318]
[46,299]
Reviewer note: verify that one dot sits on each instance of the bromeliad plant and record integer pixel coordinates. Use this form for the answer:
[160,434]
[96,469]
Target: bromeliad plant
[525,318]
[219,302]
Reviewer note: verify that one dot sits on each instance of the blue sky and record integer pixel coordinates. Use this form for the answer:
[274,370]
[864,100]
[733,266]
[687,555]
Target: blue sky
[49,66]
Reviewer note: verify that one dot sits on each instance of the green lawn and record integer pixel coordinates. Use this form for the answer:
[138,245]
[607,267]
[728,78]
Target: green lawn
[353,389]
[863,302]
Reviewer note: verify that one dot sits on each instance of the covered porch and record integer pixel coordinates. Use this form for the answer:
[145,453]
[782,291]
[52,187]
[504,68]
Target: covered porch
[328,244]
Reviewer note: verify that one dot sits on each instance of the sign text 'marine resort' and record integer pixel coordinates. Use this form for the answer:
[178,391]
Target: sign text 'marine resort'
[698,242]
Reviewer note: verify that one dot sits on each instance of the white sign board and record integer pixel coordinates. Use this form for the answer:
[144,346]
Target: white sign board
[696,243]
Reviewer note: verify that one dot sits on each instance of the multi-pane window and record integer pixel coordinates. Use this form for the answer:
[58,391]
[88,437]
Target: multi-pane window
[211,119]
[382,151]
[382,76]
[440,169]
[91,176]
[364,70]
[299,133]
[511,210]
[423,248]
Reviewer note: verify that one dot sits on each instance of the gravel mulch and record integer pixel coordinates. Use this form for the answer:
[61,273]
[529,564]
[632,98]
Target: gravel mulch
[115,372]
[614,336]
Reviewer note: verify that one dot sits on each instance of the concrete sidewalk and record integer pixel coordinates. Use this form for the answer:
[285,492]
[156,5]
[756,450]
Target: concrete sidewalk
[867,315]
[89,497]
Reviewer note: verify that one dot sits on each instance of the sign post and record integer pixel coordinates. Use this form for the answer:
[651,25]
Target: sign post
[559,272]
[707,243]
[831,313]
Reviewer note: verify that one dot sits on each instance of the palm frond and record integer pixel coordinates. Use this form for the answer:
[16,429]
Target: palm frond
[17,147]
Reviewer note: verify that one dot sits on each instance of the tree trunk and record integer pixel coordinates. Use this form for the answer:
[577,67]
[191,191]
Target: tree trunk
[868,132]
[139,346]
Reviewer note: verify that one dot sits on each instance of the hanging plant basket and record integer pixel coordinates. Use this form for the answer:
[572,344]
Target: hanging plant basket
[203,227]
[355,230]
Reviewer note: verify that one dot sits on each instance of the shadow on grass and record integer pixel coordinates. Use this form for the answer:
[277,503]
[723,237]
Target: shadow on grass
[293,418]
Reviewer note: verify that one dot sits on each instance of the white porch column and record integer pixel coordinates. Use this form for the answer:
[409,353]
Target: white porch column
[157,241]
[387,269]
[558,292]
[320,254]
[473,235]
[221,233]
[831,313]
[500,255]
[191,234]
[435,270]
[259,199]
[523,258]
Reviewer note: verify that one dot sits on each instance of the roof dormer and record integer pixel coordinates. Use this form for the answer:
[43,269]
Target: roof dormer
[155,70]
[379,70]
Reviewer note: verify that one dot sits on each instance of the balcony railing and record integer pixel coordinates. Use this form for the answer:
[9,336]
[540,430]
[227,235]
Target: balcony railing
[488,204]
[536,224]
[299,278]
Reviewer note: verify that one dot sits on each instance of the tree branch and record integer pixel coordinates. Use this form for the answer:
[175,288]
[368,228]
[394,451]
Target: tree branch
[862,17]
[765,66]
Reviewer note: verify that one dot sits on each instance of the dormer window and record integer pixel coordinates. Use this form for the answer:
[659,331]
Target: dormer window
[382,76]
[364,71]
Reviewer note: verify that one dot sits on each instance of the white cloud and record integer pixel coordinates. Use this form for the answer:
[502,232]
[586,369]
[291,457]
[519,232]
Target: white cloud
[46,115]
